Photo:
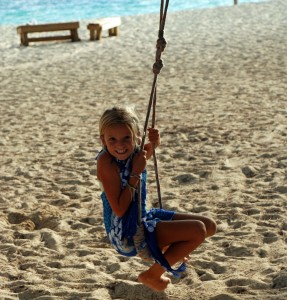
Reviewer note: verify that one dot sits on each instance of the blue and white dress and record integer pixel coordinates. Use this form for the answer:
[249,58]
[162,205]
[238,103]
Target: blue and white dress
[130,237]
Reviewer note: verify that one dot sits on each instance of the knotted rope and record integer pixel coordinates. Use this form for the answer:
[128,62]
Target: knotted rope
[157,66]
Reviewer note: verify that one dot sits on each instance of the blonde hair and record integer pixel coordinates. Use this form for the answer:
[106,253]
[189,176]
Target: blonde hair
[121,115]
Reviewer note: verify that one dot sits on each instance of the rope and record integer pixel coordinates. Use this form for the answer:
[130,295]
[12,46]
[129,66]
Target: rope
[154,156]
[157,66]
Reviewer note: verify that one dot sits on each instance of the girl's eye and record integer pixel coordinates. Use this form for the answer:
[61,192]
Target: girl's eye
[112,139]
[127,138]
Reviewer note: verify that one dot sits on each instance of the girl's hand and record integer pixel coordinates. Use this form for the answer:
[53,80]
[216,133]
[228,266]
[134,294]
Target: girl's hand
[153,136]
[139,162]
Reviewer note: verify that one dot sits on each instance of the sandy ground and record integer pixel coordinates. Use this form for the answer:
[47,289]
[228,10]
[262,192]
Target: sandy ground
[222,112]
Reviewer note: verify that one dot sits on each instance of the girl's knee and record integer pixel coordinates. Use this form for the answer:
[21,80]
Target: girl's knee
[201,231]
[211,227]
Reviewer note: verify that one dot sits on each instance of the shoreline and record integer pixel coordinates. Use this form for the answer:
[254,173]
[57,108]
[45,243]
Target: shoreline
[136,15]
[128,16]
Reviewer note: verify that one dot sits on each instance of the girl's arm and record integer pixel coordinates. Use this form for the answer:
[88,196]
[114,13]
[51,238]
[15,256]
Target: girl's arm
[108,174]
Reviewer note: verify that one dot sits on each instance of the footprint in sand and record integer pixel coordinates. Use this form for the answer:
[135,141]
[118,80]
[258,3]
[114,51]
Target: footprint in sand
[238,251]
[51,239]
[224,297]
[242,281]
[214,266]
[21,221]
[249,171]
[252,211]
[136,291]
[207,276]
[32,293]
[282,189]
[44,218]
[270,237]
[16,218]
[280,280]
[34,237]
[186,178]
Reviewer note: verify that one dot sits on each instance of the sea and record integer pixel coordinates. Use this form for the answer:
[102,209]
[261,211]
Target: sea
[45,11]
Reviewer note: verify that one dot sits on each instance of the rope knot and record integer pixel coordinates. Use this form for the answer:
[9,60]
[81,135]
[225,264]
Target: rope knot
[157,66]
[161,44]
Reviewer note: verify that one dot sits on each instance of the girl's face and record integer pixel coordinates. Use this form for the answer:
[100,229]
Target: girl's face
[119,140]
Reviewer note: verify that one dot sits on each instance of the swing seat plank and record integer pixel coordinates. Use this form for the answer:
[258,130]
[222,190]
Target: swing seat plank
[24,30]
[111,24]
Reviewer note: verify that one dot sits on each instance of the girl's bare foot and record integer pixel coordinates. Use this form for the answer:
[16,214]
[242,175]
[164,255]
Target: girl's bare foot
[154,283]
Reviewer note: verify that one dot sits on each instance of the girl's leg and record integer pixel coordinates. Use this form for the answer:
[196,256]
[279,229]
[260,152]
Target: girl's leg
[209,223]
[182,237]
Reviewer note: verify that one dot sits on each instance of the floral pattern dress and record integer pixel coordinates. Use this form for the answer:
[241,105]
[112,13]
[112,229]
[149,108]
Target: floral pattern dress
[130,236]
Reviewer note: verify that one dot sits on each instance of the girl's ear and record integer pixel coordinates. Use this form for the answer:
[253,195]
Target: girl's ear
[103,140]
[138,139]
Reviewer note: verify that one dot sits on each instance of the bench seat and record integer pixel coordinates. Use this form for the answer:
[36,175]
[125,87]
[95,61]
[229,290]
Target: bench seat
[72,27]
[110,24]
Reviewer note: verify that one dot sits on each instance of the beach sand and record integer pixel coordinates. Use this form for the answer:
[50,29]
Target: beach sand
[222,113]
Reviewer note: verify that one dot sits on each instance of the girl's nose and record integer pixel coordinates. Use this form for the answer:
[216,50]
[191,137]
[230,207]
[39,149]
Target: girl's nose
[120,144]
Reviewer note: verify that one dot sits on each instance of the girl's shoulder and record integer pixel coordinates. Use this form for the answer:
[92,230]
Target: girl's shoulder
[105,163]
[104,158]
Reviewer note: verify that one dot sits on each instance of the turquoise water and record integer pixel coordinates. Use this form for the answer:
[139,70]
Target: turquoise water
[45,11]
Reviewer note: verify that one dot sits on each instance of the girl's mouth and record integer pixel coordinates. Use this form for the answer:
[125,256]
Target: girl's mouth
[121,152]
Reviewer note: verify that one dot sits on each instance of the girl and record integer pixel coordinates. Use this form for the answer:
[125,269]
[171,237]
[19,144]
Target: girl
[164,236]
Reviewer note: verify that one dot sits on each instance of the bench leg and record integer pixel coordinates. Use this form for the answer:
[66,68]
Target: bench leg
[74,35]
[113,31]
[24,39]
[99,32]
[92,34]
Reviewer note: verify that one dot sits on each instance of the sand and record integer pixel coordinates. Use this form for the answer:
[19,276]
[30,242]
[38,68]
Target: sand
[222,113]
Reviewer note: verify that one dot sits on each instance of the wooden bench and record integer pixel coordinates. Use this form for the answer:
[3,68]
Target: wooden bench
[71,26]
[110,24]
